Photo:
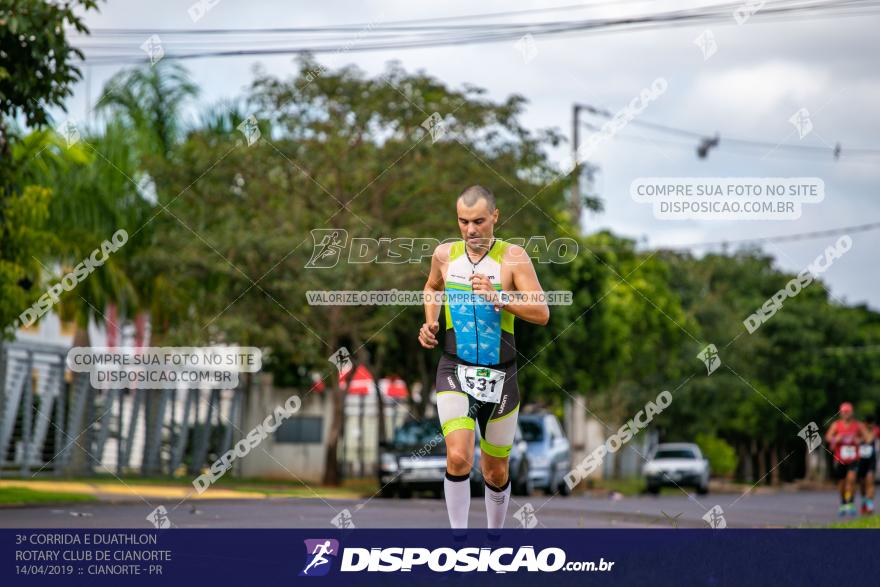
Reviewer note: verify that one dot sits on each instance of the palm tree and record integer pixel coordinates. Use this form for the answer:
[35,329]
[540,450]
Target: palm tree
[150,101]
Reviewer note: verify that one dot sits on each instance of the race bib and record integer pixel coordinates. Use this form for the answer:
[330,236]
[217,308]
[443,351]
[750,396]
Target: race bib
[865,451]
[482,383]
[847,452]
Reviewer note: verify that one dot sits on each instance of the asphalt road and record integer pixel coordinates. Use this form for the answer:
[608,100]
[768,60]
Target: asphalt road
[797,509]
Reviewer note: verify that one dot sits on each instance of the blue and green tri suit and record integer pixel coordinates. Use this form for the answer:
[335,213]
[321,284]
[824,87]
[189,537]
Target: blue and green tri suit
[477,334]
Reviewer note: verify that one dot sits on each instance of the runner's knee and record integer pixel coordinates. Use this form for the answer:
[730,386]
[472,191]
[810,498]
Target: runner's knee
[494,470]
[458,460]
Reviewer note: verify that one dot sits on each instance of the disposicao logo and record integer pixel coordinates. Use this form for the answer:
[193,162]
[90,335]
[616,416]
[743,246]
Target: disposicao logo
[318,553]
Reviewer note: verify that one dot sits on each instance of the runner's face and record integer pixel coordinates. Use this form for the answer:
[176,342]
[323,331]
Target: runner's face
[476,223]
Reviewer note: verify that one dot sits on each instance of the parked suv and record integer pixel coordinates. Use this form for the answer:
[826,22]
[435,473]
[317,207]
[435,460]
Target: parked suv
[677,464]
[548,450]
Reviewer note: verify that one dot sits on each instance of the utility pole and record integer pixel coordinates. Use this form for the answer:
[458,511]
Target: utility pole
[576,185]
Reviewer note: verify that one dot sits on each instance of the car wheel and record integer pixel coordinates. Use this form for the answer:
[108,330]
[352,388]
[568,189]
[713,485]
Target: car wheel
[388,491]
[653,489]
[405,492]
[551,485]
[703,489]
[523,484]
[564,489]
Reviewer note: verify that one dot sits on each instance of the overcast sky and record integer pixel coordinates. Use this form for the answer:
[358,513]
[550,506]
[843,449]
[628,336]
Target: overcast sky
[761,75]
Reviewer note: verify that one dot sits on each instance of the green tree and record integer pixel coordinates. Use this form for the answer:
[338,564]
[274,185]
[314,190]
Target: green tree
[36,73]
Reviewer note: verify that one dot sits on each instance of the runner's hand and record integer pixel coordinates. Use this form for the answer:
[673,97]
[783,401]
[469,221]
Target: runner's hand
[427,334]
[483,287]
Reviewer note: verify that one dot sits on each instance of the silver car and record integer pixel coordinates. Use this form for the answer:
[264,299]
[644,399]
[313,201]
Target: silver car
[548,450]
[677,464]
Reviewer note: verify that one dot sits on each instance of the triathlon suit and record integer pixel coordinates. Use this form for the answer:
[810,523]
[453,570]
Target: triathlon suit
[868,455]
[846,449]
[478,349]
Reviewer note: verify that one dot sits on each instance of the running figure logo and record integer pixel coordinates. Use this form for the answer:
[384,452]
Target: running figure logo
[715,518]
[526,516]
[810,434]
[317,552]
[327,247]
[342,359]
[710,358]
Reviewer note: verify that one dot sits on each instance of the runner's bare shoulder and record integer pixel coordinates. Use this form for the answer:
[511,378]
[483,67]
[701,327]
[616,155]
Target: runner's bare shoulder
[441,253]
[515,254]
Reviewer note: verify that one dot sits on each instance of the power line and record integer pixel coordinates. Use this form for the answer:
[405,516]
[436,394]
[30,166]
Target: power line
[466,34]
[394,25]
[724,10]
[765,146]
[781,238]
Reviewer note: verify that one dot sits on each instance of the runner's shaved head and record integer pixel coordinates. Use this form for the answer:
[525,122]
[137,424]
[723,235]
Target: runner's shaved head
[474,194]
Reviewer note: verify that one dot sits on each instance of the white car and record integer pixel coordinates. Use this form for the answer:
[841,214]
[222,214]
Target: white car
[677,464]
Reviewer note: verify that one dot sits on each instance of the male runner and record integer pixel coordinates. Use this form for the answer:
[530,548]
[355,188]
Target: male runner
[476,377]
[867,464]
[843,437]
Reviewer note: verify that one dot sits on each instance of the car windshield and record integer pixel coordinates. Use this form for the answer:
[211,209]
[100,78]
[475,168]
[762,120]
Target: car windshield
[531,431]
[418,433]
[675,453]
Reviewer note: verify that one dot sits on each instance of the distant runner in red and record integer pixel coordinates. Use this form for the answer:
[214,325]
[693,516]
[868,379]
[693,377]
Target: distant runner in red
[867,465]
[844,437]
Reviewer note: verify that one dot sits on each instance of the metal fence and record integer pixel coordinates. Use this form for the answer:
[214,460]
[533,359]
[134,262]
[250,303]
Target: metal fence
[52,421]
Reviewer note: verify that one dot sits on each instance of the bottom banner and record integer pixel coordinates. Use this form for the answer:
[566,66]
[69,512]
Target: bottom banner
[423,557]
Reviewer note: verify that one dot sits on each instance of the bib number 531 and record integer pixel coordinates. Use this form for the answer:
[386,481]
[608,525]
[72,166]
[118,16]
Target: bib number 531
[483,383]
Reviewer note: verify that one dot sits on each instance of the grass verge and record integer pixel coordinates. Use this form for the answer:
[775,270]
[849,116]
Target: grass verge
[23,496]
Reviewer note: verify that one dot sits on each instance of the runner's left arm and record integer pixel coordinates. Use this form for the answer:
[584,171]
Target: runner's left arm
[533,308]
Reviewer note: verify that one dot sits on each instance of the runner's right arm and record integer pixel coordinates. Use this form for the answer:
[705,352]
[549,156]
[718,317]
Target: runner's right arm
[433,287]
[831,435]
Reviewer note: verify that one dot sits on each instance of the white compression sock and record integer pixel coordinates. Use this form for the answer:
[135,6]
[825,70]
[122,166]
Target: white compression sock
[497,499]
[457,489]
